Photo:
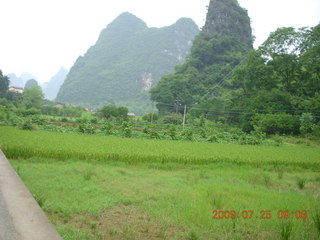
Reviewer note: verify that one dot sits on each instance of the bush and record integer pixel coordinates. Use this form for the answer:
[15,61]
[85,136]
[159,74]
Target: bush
[110,111]
[146,130]
[187,134]
[154,134]
[301,182]
[172,132]
[38,120]
[86,128]
[27,125]
[150,117]
[250,140]
[3,117]
[213,138]
[107,128]
[126,129]
[31,111]
[281,123]
[316,130]
[94,120]
[172,118]
[64,119]
[203,132]
[306,123]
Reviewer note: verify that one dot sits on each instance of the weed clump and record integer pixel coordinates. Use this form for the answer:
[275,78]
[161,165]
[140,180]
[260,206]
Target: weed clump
[286,231]
[27,125]
[301,182]
[87,175]
[193,236]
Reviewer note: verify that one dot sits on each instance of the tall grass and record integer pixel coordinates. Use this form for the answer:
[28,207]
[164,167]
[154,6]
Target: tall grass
[316,220]
[26,144]
[286,231]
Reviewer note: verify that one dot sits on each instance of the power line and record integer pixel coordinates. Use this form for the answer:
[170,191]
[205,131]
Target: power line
[244,110]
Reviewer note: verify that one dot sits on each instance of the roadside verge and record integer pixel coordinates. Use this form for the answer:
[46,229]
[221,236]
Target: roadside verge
[21,218]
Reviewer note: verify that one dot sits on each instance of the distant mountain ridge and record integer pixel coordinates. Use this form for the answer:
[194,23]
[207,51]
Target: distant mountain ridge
[51,88]
[127,60]
[16,81]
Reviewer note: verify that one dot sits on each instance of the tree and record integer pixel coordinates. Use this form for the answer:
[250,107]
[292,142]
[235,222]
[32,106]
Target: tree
[31,83]
[110,111]
[253,74]
[310,62]
[122,112]
[283,75]
[172,89]
[283,50]
[4,84]
[33,97]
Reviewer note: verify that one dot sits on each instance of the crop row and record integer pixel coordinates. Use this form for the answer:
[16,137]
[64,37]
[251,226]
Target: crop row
[26,144]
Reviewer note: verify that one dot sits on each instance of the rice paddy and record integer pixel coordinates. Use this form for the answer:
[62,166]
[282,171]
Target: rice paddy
[24,144]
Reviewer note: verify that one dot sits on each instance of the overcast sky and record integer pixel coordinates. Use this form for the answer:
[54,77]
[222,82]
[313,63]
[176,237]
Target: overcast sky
[40,36]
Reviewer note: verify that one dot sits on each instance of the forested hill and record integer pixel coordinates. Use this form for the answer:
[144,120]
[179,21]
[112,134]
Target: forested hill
[128,59]
[274,89]
[221,45]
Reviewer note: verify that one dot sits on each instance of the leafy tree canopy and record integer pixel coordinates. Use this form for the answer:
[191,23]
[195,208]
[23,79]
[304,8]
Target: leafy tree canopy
[4,84]
[33,97]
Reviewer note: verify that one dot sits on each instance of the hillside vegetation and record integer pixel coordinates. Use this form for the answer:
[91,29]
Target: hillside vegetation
[224,79]
[128,59]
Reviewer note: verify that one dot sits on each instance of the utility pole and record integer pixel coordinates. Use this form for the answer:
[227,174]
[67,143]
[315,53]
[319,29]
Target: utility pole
[184,116]
[177,106]
[152,112]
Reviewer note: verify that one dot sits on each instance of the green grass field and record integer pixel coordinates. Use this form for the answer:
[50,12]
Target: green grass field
[95,187]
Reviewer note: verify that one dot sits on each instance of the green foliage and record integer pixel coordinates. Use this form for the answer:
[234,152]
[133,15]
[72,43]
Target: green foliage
[126,128]
[154,134]
[280,123]
[4,84]
[86,128]
[172,118]
[111,111]
[212,108]
[107,128]
[27,125]
[33,97]
[271,88]
[30,111]
[172,132]
[151,117]
[306,123]
[2,116]
[38,120]
[187,134]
